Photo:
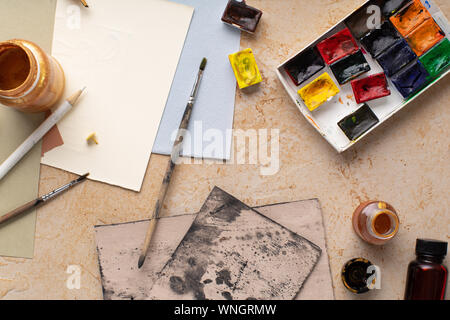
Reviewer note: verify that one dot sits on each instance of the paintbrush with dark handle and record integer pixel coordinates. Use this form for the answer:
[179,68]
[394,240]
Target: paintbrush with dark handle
[171,165]
[41,200]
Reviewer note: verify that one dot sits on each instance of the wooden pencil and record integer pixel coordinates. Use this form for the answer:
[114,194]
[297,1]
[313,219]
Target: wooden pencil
[85,3]
[171,165]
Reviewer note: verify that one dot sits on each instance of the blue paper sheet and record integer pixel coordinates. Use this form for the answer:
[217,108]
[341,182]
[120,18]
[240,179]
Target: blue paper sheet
[212,118]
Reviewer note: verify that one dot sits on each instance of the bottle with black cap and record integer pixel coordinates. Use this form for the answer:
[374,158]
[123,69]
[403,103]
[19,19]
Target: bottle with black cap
[427,276]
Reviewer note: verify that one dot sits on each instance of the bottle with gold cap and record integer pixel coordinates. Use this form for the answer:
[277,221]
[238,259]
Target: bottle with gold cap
[30,79]
[376,222]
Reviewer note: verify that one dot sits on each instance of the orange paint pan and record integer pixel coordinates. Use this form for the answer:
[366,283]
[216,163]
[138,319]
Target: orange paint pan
[424,37]
[410,17]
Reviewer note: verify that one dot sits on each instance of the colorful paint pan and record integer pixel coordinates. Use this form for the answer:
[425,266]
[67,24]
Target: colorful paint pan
[238,14]
[337,46]
[396,57]
[437,59]
[363,20]
[380,39]
[350,67]
[410,17]
[358,123]
[245,68]
[318,91]
[304,66]
[392,6]
[370,88]
[410,79]
[424,37]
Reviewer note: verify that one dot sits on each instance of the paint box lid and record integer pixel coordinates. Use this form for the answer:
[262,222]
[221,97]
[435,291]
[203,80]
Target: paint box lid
[355,275]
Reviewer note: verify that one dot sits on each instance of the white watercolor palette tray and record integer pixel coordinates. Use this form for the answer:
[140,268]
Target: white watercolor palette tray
[325,118]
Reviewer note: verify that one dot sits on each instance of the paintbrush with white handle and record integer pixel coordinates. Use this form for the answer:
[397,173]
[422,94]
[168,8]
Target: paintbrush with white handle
[39,133]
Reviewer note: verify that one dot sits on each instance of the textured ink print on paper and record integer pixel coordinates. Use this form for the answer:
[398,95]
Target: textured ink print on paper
[232,252]
[118,247]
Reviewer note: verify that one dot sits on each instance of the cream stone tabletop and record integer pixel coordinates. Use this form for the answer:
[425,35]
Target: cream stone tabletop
[404,162]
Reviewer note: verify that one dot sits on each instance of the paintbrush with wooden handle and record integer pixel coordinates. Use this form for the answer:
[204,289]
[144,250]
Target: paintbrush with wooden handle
[171,165]
[41,200]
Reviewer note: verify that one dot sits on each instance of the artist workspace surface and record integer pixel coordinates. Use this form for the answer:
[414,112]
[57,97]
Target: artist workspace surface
[404,162]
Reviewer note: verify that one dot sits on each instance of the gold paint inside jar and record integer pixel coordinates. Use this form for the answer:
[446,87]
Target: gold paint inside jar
[30,80]
[385,224]
[14,66]
[376,222]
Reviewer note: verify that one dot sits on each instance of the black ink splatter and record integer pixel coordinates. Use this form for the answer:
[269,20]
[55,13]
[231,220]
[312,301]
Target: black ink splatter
[227,295]
[224,276]
[177,285]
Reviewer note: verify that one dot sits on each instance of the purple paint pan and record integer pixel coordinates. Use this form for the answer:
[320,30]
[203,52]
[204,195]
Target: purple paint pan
[238,14]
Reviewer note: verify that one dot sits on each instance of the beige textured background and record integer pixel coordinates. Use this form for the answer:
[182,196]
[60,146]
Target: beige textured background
[404,162]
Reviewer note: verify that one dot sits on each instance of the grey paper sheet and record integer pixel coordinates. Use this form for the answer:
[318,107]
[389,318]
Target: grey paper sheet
[213,113]
[118,251]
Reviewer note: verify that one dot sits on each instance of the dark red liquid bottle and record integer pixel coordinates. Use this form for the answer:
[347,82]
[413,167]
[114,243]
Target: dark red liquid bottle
[427,276]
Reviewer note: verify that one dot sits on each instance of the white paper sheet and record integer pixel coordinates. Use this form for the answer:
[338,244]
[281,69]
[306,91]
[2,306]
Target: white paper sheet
[126,53]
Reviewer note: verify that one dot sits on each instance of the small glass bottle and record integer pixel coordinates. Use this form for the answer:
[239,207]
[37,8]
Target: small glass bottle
[427,276]
[30,79]
[376,222]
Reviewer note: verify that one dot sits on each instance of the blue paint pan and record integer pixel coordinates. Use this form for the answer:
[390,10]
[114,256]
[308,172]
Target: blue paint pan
[410,79]
[396,57]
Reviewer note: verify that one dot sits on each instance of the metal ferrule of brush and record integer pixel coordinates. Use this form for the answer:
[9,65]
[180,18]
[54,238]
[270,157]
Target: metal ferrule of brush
[195,88]
[54,193]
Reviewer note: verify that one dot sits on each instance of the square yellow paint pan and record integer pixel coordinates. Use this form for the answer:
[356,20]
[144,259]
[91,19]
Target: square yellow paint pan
[245,68]
[318,91]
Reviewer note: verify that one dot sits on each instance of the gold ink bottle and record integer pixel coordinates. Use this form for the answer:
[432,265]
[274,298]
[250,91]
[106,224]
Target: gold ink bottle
[376,222]
[30,79]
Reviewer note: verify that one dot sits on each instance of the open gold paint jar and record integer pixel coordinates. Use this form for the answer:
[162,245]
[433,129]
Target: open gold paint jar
[30,80]
[376,222]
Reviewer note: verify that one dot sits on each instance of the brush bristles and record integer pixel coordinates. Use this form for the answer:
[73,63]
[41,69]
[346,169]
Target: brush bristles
[83,177]
[141,261]
[203,64]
